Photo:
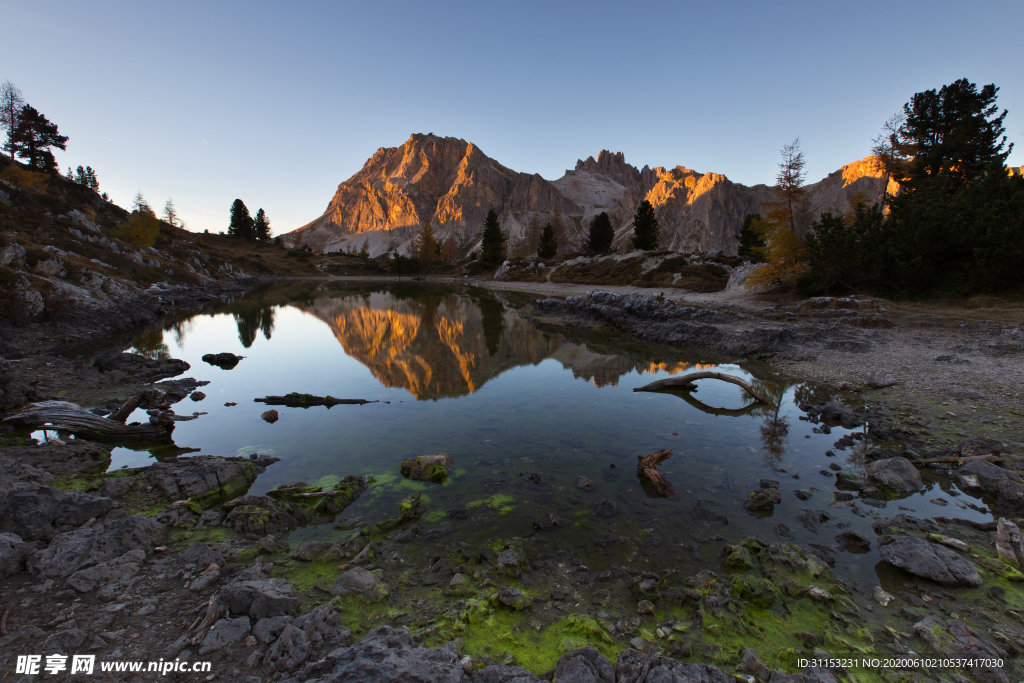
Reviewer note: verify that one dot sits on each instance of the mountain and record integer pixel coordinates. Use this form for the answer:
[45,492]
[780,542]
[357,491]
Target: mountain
[453,183]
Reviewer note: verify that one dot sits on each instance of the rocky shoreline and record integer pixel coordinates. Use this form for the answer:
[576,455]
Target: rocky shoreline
[177,561]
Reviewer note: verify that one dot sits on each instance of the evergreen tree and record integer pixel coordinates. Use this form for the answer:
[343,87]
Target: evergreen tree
[69,175]
[424,246]
[601,234]
[533,232]
[791,180]
[11,102]
[170,214]
[750,242]
[80,176]
[364,252]
[261,227]
[493,250]
[645,227]
[34,136]
[548,247]
[241,224]
[91,181]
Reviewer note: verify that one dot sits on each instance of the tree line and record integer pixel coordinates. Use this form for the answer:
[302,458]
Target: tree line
[246,227]
[955,226]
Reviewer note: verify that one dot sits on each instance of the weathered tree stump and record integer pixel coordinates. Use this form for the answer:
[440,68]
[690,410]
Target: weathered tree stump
[70,417]
[647,466]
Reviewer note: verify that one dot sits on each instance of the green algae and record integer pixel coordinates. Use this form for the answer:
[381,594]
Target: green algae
[502,502]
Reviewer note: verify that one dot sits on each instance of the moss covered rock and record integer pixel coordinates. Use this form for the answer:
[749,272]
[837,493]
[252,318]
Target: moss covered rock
[433,468]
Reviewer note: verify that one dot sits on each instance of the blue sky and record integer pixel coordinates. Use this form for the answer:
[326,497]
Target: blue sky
[276,103]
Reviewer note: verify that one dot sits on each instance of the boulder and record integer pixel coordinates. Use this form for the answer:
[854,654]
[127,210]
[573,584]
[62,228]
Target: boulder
[262,515]
[223,633]
[224,361]
[1009,497]
[387,655]
[358,581]
[205,478]
[928,560]
[631,663]
[74,550]
[19,475]
[879,380]
[1009,544]
[813,519]
[40,513]
[310,550]
[322,623]
[432,468]
[853,541]
[259,598]
[953,638]
[762,499]
[514,598]
[14,553]
[974,446]
[75,456]
[140,368]
[117,571]
[988,475]
[270,416]
[585,665]
[268,629]
[895,475]
[289,651]
[202,555]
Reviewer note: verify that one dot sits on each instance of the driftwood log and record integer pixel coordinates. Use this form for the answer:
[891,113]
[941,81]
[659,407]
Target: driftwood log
[647,466]
[711,410]
[676,382]
[70,417]
[956,459]
[294,400]
[150,398]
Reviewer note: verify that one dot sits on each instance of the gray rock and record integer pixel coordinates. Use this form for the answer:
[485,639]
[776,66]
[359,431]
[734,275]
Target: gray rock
[935,562]
[206,477]
[72,457]
[1009,544]
[289,651]
[322,623]
[894,474]
[754,666]
[116,487]
[360,582]
[1009,497]
[988,475]
[10,253]
[812,519]
[310,550]
[433,468]
[118,570]
[224,633]
[514,598]
[202,555]
[270,416]
[502,673]
[225,361]
[585,665]
[260,598]
[14,553]
[952,638]
[65,641]
[20,475]
[262,515]
[387,655]
[979,445]
[853,540]
[140,368]
[631,662]
[880,380]
[268,629]
[762,499]
[75,550]
[40,513]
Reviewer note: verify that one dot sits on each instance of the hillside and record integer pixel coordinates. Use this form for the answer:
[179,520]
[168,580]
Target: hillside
[453,183]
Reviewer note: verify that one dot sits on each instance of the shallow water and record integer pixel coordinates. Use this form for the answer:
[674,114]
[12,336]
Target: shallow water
[459,370]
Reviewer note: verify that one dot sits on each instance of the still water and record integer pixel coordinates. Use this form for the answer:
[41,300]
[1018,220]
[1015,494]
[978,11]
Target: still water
[459,370]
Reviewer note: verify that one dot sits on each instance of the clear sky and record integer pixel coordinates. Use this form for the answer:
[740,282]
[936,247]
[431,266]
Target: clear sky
[278,102]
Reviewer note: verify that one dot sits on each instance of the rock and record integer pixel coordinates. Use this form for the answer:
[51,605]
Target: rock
[849,481]
[225,361]
[812,519]
[737,557]
[178,389]
[289,651]
[954,543]
[206,478]
[262,516]
[881,596]
[140,368]
[585,665]
[19,475]
[837,412]
[310,550]
[259,597]
[202,555]
[270,416]
[1009,544]
[10,253]
[74,550]
[928,561]
[117,487]
[514,598]
[1009,497]
[65,641]
[853,541]
[322,623]
[762,499]
[645,607]
[988,475]
[268,629]
[197,396]
[433,468]
[979,445]
[44,461]
[360,582]
[952,638]
[224,633]
[808,675]
[40,513]
[879,380]
[118,571]
[584,484]
[894,474]
[14,553]
[768,484]
[803,494]
[665,670]
[387,655]
[607,508]
[752,665]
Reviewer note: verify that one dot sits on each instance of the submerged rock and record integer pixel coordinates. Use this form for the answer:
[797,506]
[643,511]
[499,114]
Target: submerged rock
[813,519]
[224,361]
[762,499]
[270,416]
[894,474]
[433,468]
[928,560]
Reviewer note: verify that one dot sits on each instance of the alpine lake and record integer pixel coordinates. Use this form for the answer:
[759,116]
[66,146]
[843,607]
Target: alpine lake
[526,410]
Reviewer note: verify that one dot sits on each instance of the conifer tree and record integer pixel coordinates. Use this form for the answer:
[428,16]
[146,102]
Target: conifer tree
[424,246]
[91,180]
[548,247]
[261,227]
[601,234]
[11,102]
[493,249]
[791,180]
[241,224]
[364,252]
[170,214]
[34,136]
[645,227]
[750,241]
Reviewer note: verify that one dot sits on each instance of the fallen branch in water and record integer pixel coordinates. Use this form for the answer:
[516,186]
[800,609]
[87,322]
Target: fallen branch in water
[294,400]
[675,382]
[70,417]
[152,398]
[955,459]
[647,466]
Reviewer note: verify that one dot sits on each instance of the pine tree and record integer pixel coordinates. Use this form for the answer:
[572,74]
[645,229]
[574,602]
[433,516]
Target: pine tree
[261,227]
[80,176]
[241,224]
[547,247]
[493,250]
[645,227]
[91,181]
[601,234]
[364,252]
[11,102]
[790,180]
[34,136]
[424,246]
[750,241]
[69,175]
[140,205]
[170,214]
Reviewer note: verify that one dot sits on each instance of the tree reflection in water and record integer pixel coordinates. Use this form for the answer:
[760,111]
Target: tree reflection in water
[252,321]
